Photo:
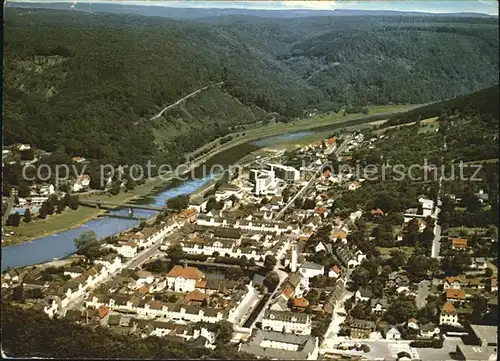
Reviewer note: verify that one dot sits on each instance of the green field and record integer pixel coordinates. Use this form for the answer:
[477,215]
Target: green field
[52,224]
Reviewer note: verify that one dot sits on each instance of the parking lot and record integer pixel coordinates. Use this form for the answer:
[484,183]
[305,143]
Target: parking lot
[388,350]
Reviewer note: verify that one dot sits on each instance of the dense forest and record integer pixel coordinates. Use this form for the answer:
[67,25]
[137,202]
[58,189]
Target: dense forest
[87,84]
[28,333]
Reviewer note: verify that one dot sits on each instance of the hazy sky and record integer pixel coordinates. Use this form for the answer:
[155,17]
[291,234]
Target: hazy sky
[443,6]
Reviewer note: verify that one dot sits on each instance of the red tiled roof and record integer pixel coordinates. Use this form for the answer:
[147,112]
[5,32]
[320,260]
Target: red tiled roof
[327,173]
[103,311]
[300,302]
[455,294]
[450,280]
[195,295]
[321,210]
[459,242]
[336,269]
[449,308]
[188,212]
[201,284]
[191,273]
[339,234]
[378,211]
[288,292]
[332,140]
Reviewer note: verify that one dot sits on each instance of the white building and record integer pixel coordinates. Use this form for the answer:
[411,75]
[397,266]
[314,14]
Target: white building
[81,182]
[309,270]
[185,279]
[287,322]
[448,315]
[427,206]
[263,180]
[285,172]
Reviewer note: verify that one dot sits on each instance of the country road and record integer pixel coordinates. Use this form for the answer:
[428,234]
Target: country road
[182,99]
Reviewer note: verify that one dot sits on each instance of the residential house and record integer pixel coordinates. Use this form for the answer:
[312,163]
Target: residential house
[309,270]
[458,244]
[391,332]
[361,328]
[478,263]
[292,282]
[200,204]
[74,271]
[81,182]
[339,235]
[300,303]
[287,322]
[412,323]
[448,315]
[452,283]
[185,279]
[189,214]
[379,305]
[429,330]
[493,284]
[334,272]
[455,295]
[363,294]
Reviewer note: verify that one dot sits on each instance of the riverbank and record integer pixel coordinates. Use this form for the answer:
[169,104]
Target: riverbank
[69,219]
[72,219]
[55,223]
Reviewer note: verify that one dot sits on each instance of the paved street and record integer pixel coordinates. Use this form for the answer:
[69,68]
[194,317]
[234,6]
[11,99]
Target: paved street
[422,293]
[137,261]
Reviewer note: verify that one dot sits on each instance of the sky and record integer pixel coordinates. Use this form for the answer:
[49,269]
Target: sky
[444,6]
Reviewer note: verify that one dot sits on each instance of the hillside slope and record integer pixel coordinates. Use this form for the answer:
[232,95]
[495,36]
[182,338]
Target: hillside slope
[89,83]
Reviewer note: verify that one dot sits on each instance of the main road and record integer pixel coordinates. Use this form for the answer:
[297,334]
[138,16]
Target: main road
[436,243]
[338,151]
[134,262]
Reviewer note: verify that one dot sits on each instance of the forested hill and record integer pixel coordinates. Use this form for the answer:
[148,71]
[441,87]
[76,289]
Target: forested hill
[88,83]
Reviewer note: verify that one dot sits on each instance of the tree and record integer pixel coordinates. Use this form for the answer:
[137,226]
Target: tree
[285,194]
[23,190]
[175,252]
[272,280]
[13,220]
[85,239]
[270,261]
[27,216]
[471,202]
[225,334]
[309,203]
[402,308]
[73,202]
[115,187]
[178,203]
[42,212]
[398,259]
[417,267]
[61,206]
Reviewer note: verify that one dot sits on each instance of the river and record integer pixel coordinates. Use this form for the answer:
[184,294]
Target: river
[60,245]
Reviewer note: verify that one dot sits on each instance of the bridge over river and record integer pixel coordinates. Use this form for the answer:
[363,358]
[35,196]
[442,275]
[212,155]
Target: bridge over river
[112,205]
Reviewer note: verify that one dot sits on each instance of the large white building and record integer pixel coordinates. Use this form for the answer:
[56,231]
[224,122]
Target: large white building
[185,279]
[263,180]
[285,172]
[287,322]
